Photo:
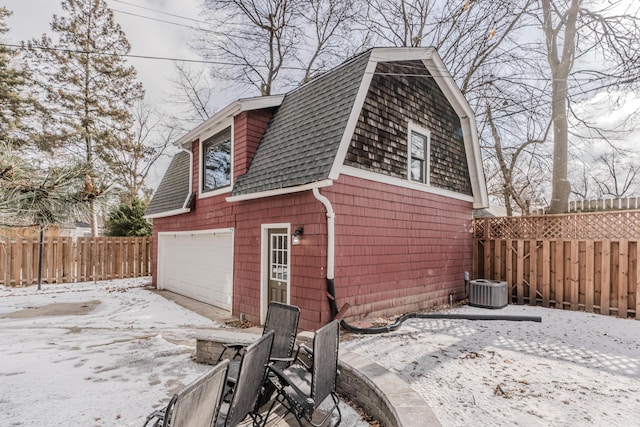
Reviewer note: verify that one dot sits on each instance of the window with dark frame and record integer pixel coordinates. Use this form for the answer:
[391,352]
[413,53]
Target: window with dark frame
[216,161]
[419,167]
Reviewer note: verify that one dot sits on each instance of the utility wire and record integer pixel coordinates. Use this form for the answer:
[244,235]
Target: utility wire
[161,12]
[236,64]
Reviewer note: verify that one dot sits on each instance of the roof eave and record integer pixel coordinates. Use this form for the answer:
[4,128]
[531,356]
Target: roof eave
[168,213]
[280,191]
[230,111]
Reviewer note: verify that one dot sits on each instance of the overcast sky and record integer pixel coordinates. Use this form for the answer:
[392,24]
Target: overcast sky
[148,37]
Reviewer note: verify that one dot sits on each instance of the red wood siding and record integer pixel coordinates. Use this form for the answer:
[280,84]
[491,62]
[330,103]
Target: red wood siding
[248,129]
[308,261]
[398,250]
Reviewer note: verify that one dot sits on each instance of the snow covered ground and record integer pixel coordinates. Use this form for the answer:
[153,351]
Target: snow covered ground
[572,369]
[96,354]
[127,349]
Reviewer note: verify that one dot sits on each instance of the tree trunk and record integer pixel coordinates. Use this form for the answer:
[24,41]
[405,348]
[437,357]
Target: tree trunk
[561,188]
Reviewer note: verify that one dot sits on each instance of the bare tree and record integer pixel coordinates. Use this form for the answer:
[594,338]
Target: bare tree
[400,22]
[331,33]
[590,46]
[271,45]
[253,39]
[131,160]
[617,178]
[193,96]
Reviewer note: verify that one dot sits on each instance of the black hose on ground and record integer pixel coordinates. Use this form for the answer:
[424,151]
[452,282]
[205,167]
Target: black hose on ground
[398,322]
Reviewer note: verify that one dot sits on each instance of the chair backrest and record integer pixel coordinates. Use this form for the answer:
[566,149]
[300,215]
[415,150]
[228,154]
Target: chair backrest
[324,372]
[283,320]
[197,404]
[251,375]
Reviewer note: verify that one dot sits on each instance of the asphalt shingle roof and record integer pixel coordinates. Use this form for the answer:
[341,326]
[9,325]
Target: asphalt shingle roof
[303,136]
[174,187]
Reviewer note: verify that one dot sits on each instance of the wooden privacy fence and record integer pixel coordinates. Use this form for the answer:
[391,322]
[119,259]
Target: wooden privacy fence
[578,261]
[66,260]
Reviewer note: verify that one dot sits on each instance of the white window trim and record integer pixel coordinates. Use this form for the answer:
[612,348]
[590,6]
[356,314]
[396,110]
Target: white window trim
[224,190]
[413,127]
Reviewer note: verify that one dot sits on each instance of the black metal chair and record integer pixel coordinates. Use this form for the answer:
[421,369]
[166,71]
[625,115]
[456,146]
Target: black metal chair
[197,404]
[248,386]
[283,320]
[302,389]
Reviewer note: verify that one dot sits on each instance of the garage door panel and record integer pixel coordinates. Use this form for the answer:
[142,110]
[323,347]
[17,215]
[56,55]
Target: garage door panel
[198,265]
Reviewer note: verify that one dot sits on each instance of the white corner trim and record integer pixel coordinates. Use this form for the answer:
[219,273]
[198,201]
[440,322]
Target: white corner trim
[281,191]
[474,162]
[168,213]
[412,185]
[190,153]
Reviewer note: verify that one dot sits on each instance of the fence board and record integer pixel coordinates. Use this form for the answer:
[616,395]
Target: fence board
[595,275]
[533,271]
[520,271]
[623,277]
[575,275]
[546,272]
[606,277]
[68,261]
[559,274]
[589,279]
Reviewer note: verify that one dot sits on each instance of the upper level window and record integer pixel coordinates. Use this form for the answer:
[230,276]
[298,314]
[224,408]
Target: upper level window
[419,154]
[216,161]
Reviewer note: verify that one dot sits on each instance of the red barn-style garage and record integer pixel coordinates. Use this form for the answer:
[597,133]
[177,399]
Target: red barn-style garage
[357,187]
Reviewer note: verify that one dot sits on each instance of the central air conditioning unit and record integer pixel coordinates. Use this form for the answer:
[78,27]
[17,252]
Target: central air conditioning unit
[488,293]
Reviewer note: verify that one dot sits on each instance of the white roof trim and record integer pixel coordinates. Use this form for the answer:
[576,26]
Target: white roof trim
[353,120]
[230,111]
[398,182]
[438,70]
[168,213]
[280,191]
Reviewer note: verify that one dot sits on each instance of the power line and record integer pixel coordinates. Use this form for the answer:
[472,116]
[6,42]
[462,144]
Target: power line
[128,55]
[237,64]
[161,12]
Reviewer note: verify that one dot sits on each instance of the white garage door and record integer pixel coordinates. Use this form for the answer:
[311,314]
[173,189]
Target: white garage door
[198,265]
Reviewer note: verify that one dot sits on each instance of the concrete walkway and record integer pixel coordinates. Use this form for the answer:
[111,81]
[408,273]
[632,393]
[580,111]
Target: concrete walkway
[379,392]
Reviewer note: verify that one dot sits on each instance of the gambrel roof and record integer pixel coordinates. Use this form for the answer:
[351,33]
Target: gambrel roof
[306,141]
[303,137]
[174,190]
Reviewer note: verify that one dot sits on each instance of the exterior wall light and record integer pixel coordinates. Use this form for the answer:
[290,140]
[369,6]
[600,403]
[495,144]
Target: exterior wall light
[295,237]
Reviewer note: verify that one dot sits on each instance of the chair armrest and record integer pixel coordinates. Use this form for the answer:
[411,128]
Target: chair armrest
[306,349]
[282,359]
